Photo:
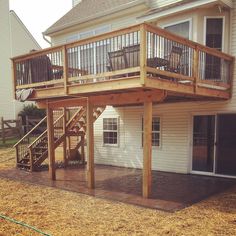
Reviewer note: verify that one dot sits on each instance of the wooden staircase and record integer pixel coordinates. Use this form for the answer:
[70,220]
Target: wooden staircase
[32,151]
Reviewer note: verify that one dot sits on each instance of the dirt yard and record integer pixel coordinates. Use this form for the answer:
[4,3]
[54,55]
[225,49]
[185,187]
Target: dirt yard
[58,212]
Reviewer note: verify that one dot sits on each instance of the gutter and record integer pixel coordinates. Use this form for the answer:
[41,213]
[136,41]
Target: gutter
[96,16]
[48,41]
[158,13]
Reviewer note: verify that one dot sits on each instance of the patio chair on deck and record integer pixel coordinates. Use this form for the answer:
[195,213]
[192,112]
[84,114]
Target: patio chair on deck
[132,54]
[117,60]
[174,60]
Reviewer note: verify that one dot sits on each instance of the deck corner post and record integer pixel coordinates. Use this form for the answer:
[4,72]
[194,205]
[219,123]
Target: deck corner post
[65,69]
[147,149]
[90,145]
[51,148]
[143,53]
[196,68]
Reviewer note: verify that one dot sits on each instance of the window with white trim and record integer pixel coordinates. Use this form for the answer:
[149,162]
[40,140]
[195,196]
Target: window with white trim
[110,131]
[156,131]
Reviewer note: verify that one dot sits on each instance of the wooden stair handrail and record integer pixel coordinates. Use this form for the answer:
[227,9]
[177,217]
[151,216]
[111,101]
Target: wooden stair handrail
[44,132]
[40,122]
[76,113]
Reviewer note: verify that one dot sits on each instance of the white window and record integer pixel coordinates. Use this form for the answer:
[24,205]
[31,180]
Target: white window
[156,131]
[182,29]
[110,131]
[72,38]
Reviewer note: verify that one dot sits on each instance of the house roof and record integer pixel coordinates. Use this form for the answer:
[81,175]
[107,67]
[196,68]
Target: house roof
[88,10]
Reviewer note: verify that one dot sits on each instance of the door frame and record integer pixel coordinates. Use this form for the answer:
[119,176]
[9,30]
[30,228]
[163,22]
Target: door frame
[213,173]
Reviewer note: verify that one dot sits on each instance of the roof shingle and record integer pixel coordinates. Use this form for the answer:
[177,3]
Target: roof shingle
[87,9]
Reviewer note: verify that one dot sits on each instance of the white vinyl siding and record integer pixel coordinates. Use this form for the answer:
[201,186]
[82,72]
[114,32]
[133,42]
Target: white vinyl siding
[171,156]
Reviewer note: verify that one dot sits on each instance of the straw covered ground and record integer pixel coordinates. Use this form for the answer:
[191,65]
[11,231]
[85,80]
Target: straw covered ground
[63,213]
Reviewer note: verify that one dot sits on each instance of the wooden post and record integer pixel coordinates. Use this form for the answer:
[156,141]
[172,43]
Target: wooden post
[51,148]
[65,69]
[147,149]
[13,69]
[64,133]
[3,131]
[17,155]
[196,67]
[31,159]
[82,149]
[90,145]
[143,53]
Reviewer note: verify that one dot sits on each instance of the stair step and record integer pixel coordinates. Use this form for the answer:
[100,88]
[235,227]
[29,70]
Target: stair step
[41,148]
[38,153]
[23,165]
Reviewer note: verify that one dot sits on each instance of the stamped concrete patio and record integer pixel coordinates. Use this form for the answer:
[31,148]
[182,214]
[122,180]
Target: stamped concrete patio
[171,191]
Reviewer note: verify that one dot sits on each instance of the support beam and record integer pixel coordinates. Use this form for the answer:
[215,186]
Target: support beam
[110,99]
[147,149]
[51,148]
[90,145]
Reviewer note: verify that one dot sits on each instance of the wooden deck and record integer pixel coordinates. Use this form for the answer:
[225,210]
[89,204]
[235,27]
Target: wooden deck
[140,63]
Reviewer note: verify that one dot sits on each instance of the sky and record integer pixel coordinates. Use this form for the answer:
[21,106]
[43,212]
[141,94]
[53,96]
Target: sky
[38,15]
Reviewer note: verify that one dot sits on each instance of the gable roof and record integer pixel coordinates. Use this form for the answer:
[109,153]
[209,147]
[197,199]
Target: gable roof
[88,10]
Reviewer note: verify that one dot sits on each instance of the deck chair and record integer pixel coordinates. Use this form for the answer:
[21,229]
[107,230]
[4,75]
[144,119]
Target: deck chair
[174,60]
[117,60]
[132,54]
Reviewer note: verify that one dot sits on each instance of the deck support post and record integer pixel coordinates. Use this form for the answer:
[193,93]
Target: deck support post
[51,148]
[147,149]
[143,54]
[90,145]
[64,141]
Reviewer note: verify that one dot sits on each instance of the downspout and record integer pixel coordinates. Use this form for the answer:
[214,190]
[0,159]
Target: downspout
[48,41]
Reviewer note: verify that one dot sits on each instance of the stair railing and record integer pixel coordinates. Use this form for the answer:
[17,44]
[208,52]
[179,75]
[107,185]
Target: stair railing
[22,145]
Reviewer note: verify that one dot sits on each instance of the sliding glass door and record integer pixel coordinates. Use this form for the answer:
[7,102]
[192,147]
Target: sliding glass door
[214,144]
[203,143]
[226,145]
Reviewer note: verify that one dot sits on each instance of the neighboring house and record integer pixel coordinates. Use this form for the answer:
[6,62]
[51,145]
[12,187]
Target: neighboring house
[15,40]
[190,133]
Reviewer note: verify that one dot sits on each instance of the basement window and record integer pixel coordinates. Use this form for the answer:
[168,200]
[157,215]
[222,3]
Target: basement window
[156,127]
[110,131]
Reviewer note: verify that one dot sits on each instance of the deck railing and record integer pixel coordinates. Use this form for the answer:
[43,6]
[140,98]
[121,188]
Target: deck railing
[142,51]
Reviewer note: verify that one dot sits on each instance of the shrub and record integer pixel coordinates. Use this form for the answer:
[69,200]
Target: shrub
[32,110]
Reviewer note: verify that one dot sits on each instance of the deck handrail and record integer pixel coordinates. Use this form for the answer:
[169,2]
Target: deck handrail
[148,26]
[41,135]
[187,42]
[26,135]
